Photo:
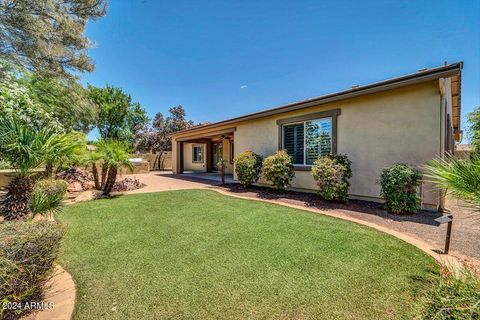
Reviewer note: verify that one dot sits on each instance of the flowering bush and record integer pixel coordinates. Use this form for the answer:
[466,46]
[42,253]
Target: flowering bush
[129,183]
[399,188]
[84,178]
[15,101]
[331,172]
[278,169]
[248,166]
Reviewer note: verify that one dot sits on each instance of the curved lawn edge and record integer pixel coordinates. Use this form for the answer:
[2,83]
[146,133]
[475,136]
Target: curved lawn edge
[448,261]
[61,291]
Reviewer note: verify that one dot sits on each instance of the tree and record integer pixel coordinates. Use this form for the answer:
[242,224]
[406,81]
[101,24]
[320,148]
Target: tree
[118,117]
[65,100]
[16,101]
[25,148]
[48,36]
[157,137]
[474,130]
[113,155]
[38,101]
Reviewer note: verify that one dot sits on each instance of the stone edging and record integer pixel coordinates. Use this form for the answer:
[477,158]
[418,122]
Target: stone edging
[451,262]
[61,292]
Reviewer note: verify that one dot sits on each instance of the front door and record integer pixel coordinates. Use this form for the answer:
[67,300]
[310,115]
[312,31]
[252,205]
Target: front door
[217,154]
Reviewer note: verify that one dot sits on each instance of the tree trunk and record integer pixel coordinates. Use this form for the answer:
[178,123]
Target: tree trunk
[49,169]
[16,203]
[95,177]
[160,161]
[112,176]
[104,175]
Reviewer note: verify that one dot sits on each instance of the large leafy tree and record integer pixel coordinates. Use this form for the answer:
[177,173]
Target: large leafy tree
[118,117]
[474,130]
[47,36]
[65,100]
[157,137]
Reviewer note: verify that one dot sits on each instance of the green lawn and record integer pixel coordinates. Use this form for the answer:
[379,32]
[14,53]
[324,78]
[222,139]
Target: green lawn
[197,254]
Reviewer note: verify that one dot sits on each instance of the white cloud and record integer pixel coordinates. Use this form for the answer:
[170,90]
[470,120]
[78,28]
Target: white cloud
[243,86]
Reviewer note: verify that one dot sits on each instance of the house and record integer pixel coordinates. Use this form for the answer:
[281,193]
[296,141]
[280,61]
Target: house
[408,119]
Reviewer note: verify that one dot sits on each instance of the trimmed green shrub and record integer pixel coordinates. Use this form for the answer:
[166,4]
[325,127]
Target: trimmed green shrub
[399,188]
[27,254]
[48,195]
[331,172]
[248,166]
[453,297]
[278,169]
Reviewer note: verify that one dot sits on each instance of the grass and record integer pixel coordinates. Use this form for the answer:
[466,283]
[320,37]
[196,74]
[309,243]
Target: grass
[197,254]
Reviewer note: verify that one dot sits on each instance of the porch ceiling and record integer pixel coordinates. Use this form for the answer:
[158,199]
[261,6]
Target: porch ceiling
[208,136]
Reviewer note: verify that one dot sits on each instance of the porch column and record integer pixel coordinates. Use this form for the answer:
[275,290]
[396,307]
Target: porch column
[179,157]
[208,155]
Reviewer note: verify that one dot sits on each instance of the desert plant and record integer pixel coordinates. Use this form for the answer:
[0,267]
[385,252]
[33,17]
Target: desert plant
[331,172]
[278,169]
[48,195]
[248,166]
[399,188]
[460,177]
[114,154]
[453,296]
[25,148]
[27,254]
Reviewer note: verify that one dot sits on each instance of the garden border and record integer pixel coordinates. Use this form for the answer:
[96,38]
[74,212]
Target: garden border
[61,291]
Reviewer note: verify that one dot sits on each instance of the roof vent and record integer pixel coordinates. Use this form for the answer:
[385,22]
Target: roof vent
[423,69]
[355,86]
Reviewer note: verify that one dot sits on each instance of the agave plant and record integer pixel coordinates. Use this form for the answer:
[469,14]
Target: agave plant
[26,148]
[459,177]
[114,155]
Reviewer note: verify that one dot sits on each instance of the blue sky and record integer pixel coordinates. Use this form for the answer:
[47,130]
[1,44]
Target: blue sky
[221,59]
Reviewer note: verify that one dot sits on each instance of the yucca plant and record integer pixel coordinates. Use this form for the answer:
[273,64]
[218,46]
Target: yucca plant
[114,155]
[459,177]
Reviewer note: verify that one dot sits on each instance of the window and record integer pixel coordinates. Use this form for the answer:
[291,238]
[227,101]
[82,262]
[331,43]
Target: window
[307,140]
[197,153]
[232,152]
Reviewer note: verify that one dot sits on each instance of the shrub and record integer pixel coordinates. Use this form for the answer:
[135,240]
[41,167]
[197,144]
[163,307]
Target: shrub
[48,195]
[331,172]
[27,254]
[278,169]
[399,188]
[453,297]
[248,166]
[129,183]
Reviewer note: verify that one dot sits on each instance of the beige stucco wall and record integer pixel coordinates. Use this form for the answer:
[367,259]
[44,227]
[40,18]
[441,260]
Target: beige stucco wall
[188,163]
[376,130]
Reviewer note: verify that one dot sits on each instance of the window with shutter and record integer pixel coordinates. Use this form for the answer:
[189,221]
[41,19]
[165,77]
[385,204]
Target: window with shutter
[294,141]
[308,140]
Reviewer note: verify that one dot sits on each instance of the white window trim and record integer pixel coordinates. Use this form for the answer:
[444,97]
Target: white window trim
[193,153]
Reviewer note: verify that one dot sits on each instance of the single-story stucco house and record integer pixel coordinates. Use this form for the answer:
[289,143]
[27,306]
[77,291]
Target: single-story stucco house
[408,119]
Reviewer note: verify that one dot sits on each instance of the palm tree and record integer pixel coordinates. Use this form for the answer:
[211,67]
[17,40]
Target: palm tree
[114,155]
[65,150]
[460,177]
[26,148]
[92,158]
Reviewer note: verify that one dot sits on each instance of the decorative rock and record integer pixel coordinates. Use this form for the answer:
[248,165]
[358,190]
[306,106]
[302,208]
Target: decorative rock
[75,187]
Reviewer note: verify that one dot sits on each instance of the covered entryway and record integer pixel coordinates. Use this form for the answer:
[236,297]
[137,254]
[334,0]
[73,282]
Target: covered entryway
[203,153]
